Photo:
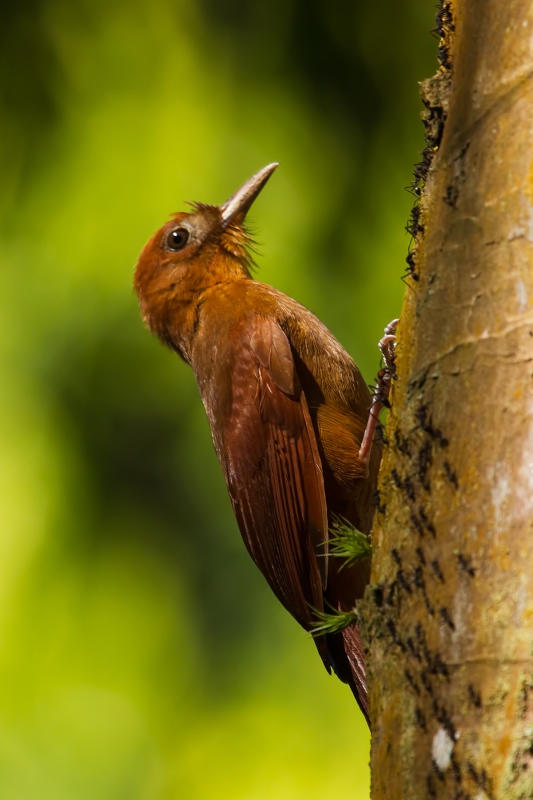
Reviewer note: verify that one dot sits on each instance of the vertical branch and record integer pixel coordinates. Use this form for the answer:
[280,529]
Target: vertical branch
[449,614]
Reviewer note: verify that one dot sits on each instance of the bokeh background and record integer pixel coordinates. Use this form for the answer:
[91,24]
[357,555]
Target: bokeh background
[142,655]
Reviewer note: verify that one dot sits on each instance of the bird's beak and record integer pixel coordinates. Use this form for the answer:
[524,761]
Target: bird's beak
[239,203]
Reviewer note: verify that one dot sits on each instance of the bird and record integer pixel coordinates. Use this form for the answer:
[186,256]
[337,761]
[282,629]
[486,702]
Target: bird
[287,408]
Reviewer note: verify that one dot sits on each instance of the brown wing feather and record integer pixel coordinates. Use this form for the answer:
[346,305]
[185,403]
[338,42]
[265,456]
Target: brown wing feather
[274,472]
[266,439]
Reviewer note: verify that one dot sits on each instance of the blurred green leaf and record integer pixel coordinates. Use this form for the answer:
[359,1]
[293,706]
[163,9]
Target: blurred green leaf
[142,655]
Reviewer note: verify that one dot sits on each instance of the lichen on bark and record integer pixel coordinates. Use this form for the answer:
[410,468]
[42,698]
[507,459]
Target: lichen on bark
[449,616]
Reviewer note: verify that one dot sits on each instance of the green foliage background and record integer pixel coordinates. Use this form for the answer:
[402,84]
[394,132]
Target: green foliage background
[142,655]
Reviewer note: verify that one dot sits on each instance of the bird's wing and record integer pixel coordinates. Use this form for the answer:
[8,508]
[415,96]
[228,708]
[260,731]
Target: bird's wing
[273,469]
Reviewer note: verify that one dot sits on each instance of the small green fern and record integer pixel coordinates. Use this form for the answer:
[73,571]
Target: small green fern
[351,545]
[332,622]
[348,543]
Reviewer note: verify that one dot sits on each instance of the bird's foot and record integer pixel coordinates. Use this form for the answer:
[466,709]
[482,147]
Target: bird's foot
[387,346]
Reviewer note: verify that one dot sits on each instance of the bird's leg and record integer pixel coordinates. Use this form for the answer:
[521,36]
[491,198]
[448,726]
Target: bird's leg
[387,345]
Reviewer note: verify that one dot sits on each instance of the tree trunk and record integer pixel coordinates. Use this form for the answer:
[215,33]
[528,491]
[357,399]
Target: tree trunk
[449,614]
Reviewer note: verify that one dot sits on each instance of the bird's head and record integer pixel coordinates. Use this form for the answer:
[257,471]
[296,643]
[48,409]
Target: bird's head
[194,251]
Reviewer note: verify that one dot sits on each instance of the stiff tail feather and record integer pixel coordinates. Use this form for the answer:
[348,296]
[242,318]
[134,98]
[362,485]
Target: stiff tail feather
[353,647]
[346,655]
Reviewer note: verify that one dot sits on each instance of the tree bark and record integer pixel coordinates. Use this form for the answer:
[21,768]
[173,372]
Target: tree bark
[449,614]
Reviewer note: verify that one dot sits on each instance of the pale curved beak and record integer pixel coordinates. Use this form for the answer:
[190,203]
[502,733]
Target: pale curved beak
[239,203]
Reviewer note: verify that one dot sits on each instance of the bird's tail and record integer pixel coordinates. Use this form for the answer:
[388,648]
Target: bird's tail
[346,655]
[353,647]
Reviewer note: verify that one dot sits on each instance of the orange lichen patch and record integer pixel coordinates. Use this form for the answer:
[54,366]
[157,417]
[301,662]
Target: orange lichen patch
[530,181]
[504,745]
[504,559]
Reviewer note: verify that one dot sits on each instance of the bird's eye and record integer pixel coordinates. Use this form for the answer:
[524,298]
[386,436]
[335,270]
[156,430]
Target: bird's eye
[177,239]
